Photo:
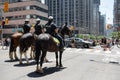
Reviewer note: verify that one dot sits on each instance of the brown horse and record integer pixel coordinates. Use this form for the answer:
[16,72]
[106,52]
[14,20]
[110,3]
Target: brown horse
[26,41]
[44,43]
[14,44]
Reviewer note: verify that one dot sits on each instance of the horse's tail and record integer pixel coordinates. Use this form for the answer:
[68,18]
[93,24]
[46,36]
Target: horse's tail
[11,49]
[11,45]
[22,45]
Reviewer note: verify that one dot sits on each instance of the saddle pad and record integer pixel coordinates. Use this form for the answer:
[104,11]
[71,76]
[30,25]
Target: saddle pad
[56,40]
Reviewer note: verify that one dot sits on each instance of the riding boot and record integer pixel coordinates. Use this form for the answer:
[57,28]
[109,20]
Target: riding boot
[61,47]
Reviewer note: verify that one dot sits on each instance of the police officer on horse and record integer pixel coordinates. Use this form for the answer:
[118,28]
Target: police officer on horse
[38,27]
[52,29]
[26,27]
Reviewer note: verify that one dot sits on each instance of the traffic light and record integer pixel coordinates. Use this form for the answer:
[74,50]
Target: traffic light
[6,6]
[3,23]
[108,26]
[6,21]
[0,31]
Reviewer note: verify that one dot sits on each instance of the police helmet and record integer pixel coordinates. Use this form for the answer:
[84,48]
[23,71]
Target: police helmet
[38,19]
[50,17]
[26,20]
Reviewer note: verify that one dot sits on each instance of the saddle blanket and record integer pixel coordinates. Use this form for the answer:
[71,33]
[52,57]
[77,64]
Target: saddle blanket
[56,40]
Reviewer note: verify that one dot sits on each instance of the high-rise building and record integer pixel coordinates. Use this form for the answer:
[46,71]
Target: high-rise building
[116,19]
[102,27]
[82,14]
[19,10]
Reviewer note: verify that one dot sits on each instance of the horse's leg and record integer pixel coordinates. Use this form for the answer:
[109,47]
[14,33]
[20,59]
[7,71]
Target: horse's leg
[11,55]
[25,54]
[42,59]
[60,60]
[37,57]
[31,57]
[56,54]
[45,59]
[15,55]
[21,57]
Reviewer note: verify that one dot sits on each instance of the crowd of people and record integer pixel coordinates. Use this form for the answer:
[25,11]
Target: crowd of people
[105,43]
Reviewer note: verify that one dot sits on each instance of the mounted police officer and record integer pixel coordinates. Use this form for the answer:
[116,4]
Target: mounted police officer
[48,25]
[26,27]
[52,29]
[38,27]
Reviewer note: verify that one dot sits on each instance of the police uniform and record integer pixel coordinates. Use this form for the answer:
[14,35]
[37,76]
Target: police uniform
[26,27]
[38,28]
[56,35]
[50,29]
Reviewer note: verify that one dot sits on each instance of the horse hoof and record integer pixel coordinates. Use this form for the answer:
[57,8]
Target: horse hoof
[20,63]
[39,71]
[27,63]
[16,59]
[11,59]
[60,66]
[46,61]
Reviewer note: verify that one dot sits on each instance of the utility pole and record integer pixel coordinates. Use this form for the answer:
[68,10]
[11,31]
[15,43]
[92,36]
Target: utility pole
[1,19]
[5,8]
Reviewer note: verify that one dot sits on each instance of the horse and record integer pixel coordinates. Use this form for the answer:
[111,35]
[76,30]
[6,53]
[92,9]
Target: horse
[14,44]
[44,43]
[26,41]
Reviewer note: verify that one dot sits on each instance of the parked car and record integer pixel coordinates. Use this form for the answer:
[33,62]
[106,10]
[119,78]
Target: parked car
[78,42]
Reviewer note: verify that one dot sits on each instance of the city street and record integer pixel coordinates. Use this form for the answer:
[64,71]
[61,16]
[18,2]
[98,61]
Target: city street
[79,64]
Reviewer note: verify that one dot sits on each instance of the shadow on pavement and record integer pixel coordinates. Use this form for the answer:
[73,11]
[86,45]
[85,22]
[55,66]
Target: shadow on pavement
[11,60]
[109,62]
[24,64]
[47,71]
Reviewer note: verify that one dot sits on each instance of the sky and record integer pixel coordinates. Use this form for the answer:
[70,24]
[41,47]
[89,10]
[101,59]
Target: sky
[106,7]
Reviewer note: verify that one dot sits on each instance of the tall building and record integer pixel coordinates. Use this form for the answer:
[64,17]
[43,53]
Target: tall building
[102,27]
[78,13]
[19,10]
[116,19]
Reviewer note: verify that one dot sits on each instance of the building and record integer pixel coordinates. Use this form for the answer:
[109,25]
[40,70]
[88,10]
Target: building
[19,10]
[116,14]
[96,17]
[82,14]
[102,27]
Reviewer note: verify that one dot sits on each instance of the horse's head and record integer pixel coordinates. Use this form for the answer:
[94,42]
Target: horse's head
[64,30]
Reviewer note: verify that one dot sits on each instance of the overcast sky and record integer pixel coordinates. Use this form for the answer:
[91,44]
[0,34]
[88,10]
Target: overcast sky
[107,8]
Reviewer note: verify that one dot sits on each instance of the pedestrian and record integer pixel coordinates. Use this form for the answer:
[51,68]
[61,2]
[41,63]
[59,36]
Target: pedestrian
[6,43]
[104,43]
[72,44]
[26,27]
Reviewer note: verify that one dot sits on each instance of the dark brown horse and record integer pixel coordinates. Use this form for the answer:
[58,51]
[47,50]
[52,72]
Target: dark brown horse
[26,41]
[44,43]
[14,44]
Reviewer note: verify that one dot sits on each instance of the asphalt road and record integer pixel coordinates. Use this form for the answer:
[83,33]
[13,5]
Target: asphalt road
[79,64]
